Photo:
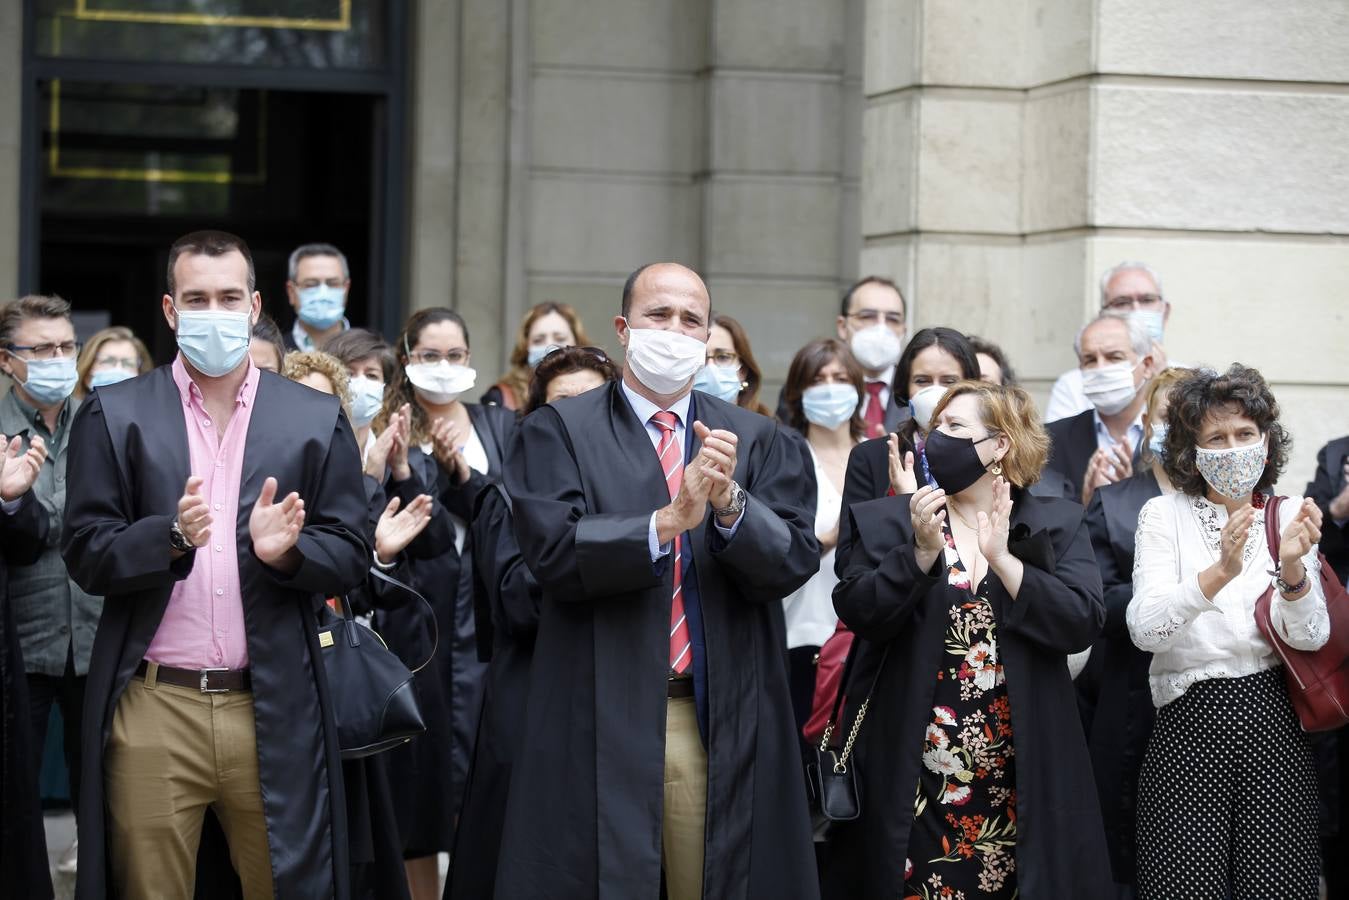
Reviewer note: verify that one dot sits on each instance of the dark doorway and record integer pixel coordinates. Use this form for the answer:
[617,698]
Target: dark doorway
[129,168]
[281,121]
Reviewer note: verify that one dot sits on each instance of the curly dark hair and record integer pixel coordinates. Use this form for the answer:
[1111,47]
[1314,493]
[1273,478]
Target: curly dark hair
[564,361]
[1205,391]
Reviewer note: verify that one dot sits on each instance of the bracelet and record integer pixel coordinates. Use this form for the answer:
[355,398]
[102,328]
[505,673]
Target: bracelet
[1286,588]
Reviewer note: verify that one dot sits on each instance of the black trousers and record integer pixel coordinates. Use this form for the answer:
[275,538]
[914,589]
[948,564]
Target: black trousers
[1227,802]
[67,691]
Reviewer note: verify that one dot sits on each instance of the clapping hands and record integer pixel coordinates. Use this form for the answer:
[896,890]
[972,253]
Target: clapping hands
[19,468]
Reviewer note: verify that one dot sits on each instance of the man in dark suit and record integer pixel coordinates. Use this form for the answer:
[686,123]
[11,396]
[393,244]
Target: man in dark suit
[1101,445]
[1330,489]
[215,506]
[872,322]
[664,527]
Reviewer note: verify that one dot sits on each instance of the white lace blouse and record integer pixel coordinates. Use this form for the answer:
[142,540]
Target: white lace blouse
[1191,638]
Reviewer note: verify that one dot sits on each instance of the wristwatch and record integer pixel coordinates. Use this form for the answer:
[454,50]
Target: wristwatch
[737,503]
[178,540]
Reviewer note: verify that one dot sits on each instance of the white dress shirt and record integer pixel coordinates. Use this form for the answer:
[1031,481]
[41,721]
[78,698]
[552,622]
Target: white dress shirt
[1105,441]
[1191,638]
[644,410]
[886,378]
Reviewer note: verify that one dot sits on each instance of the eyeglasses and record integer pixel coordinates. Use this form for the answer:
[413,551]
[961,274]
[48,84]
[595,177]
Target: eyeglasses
[725,358]
[47,351]
[130,363]
[868,317]
[434,357]
[1126,302]
[315,282]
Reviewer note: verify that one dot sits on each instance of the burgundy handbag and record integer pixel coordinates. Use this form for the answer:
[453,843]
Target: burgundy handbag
[1318,681]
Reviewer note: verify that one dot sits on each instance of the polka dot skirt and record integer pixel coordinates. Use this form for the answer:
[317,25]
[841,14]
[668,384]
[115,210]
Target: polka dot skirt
[1227,802]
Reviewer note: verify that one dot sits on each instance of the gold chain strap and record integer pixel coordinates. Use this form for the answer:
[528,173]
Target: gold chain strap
[841,760]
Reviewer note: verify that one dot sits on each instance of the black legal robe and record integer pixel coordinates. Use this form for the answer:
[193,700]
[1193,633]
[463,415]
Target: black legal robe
[583,818]
[23,844]
[889,602]
[507,616]
[428,774]
[129,461]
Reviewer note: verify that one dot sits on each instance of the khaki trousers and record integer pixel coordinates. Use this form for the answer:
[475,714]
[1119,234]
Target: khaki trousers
[173,752]
[685,801]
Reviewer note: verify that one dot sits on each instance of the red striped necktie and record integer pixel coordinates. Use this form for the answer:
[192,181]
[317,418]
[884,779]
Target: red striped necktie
[672,464]
[875,411]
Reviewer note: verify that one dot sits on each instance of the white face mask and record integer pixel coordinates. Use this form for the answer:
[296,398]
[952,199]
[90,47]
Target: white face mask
[440,382]
[1110,388]
[876,348]
[664,361]
[923,403]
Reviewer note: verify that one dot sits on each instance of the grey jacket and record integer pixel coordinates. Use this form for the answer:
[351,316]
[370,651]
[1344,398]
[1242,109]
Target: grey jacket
[52,616]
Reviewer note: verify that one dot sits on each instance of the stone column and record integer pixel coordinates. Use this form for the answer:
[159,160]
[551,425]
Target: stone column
[1015,150]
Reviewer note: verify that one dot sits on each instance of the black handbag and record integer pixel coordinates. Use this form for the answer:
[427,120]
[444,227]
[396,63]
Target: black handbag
[831,772]
[374,701]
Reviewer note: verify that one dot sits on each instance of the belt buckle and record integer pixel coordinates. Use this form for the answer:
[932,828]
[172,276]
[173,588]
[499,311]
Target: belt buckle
[206,680]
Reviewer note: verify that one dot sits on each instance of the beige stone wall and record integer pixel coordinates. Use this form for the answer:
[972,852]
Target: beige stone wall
[570,142]
[1014,150]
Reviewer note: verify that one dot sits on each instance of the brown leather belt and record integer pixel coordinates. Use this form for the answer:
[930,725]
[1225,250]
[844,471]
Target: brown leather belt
[678,688]
[208,681]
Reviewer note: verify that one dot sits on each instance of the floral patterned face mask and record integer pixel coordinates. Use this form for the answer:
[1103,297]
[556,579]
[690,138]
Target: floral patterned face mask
[1233,471]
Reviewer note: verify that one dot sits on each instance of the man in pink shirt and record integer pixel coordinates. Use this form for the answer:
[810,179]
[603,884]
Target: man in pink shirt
[211,509]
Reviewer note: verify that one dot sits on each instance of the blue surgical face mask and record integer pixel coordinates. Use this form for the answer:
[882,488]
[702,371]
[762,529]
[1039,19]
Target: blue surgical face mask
[722,382]
[538,351]
[1157,443]
[322,305]
[215,341]
[50,380]
[1152,321]
[105,377]
[367,396]
[829,405]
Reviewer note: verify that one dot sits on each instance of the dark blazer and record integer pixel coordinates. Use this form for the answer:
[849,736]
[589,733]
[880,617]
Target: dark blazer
[129,446]
[1072,442]
[23,844]
[1325,486]
[887,600]
[1112,691]
[583,817]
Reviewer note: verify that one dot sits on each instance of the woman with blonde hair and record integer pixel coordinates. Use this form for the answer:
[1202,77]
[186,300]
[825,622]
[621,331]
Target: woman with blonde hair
[545,326]
[112,355]
[969,595]
[320,371]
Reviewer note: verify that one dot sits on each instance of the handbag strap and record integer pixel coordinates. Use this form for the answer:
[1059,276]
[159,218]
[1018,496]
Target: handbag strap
[435,626]
[1272,527]
[841,761]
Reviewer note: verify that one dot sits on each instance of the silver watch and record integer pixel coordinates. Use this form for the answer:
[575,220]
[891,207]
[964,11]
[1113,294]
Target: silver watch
[178,540]
[737,503]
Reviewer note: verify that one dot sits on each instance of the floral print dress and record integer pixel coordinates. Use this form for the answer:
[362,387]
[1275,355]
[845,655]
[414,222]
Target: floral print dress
[963,840]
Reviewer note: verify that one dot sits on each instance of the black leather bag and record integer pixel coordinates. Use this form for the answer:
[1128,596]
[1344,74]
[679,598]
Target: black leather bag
[831,772]
[374,701]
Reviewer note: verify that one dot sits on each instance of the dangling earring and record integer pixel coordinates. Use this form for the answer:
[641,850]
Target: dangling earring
[996,468]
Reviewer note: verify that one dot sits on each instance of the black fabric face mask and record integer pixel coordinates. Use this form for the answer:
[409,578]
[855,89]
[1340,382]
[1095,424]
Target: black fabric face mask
[953,461]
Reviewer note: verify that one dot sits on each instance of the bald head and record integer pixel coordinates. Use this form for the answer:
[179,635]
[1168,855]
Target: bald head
[668,278]
[666,296]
